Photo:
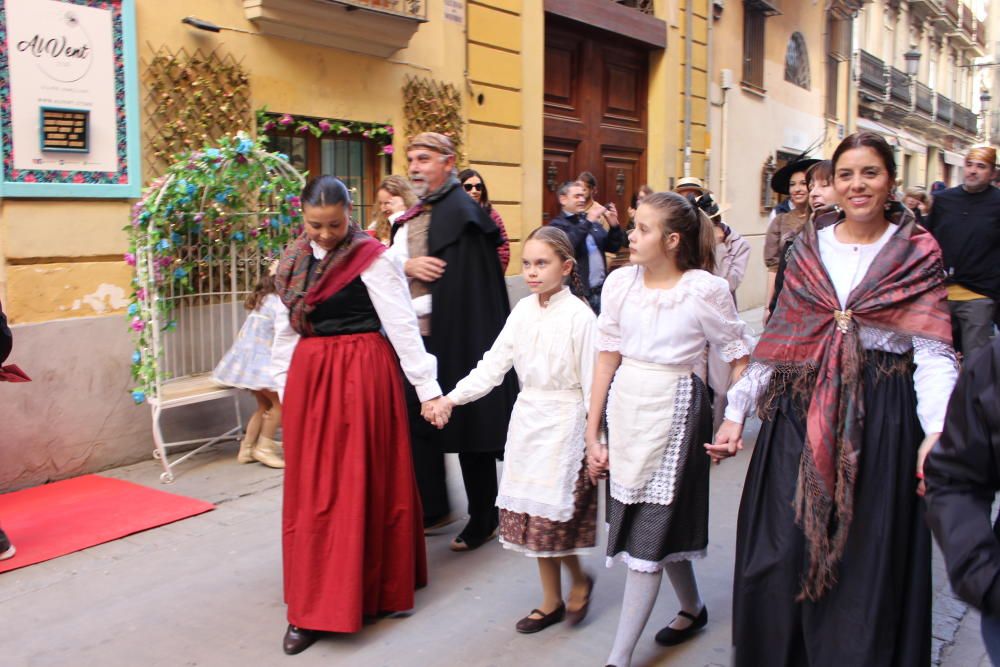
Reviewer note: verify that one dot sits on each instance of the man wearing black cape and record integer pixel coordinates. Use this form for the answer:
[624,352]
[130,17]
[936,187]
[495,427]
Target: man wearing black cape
[447,246]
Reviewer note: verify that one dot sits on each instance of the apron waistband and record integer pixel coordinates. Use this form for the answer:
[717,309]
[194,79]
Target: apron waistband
[684,369]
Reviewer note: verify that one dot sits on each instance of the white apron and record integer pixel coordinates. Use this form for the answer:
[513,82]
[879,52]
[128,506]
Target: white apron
[544,453]
[648,405]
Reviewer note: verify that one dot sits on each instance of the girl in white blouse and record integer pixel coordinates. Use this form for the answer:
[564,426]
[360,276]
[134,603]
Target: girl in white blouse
[548,505]
[656,319]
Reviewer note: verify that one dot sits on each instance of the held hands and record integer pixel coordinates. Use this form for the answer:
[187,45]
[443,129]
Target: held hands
[612,215]
[925,448]
[597,458]
[427,269]
[437,411]
[728,441]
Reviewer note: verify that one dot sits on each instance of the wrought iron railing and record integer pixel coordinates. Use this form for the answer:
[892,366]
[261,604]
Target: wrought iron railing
[944,105]
[411,8]
[644,6]
[872,71]
[964,118]
[951,9]
[899,86]
[925,100]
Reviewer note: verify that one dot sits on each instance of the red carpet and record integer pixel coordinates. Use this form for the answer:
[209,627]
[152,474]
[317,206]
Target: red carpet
[56,519]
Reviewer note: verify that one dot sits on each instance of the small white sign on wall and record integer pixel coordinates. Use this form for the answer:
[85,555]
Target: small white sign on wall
[454,11]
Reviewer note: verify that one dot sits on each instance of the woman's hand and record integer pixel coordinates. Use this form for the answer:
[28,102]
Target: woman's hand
[437,411]
[427,268]
[597,458]
[925,448]
[728,441]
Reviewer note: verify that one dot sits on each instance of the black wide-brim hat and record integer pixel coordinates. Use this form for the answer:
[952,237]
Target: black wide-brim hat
[782,178]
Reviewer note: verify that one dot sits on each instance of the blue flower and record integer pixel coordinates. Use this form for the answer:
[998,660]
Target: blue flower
[145,215]
[196,228]
[283,157]
[274,223]
[245,146]
[138,396]
[136,357]
[180,273]
[221,197]
[212,153]
[133,309]
[238,236]
[164,244]
[286,219]
[192,188]
[176,238]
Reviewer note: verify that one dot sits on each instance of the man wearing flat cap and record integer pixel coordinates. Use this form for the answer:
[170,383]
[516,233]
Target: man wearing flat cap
[447,247]
[965,220]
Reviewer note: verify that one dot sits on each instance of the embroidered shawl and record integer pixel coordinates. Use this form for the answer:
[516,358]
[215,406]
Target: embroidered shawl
[301,289]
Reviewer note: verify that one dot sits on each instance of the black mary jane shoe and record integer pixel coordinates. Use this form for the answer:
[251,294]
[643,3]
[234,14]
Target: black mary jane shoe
[529,625]
[298,639]
[668,636]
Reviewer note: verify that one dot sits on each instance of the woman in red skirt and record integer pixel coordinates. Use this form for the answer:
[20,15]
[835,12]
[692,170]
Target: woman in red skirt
[352,532]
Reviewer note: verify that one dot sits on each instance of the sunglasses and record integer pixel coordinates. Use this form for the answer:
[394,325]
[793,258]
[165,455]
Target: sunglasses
[469,187]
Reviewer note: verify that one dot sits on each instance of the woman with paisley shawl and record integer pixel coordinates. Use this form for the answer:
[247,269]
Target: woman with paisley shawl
[850,378]
[352,532]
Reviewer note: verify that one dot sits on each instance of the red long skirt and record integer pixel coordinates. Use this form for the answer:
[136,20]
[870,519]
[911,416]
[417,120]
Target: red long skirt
[352,532]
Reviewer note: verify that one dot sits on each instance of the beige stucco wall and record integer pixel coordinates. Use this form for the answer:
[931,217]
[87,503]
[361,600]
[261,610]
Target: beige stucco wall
[786,118]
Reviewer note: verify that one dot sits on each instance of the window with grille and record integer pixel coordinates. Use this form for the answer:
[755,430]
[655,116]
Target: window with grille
[832,86]
[352,158]
[753,45]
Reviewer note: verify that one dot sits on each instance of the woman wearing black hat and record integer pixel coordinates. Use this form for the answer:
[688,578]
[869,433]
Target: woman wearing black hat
[789,180]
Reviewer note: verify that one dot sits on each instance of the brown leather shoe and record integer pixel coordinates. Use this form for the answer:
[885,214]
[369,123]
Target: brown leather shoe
[298,639]
[574,617]
[528,625]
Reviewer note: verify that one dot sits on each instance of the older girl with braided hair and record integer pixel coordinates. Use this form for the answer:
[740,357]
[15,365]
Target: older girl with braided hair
[548,506]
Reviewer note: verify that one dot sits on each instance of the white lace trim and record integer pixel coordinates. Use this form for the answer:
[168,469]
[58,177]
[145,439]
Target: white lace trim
[734,349]
[652,566]
[520,548]
[660,487]
[571,460]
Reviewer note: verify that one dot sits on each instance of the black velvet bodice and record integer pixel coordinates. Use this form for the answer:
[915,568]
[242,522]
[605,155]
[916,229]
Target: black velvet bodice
[349,311]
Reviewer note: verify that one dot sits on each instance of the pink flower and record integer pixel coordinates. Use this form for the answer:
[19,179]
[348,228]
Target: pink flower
[388,149]
[130,259]
[389,130]
[141,294]
[137,324]
[325,125]
[286,120]
[344,129]
[269,125]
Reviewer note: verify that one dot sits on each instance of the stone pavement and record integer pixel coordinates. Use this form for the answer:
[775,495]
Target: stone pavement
[207,592]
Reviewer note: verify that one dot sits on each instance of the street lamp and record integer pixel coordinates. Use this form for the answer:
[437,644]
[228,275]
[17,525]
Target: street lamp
[984,102]
[912,58]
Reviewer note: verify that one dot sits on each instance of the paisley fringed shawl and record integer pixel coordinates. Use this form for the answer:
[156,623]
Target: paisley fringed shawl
[811,339]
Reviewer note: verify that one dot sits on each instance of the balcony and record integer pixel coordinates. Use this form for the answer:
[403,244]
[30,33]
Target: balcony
[964,119]
[899,88]
[872,74]
[943,110]
[925,101]
[925,9]
[948,15]
[963,33]
[644,6]
[374,27]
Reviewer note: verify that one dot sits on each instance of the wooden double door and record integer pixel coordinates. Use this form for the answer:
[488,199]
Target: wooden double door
[595,112]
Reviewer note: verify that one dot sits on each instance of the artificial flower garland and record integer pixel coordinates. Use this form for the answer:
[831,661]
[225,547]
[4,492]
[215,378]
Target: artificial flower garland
[380,133]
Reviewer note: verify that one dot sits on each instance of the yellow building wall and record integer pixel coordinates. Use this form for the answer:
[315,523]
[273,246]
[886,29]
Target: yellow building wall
[62,256]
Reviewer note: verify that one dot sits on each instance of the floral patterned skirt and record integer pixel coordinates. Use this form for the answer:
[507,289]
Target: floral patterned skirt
[539,537]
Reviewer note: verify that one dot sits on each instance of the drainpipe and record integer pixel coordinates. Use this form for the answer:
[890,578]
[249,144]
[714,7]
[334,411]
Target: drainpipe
[688,48]
[852,64]
[708,84]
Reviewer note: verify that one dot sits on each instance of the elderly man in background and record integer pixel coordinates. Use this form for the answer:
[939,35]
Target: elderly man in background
[447,246]
[965,220]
